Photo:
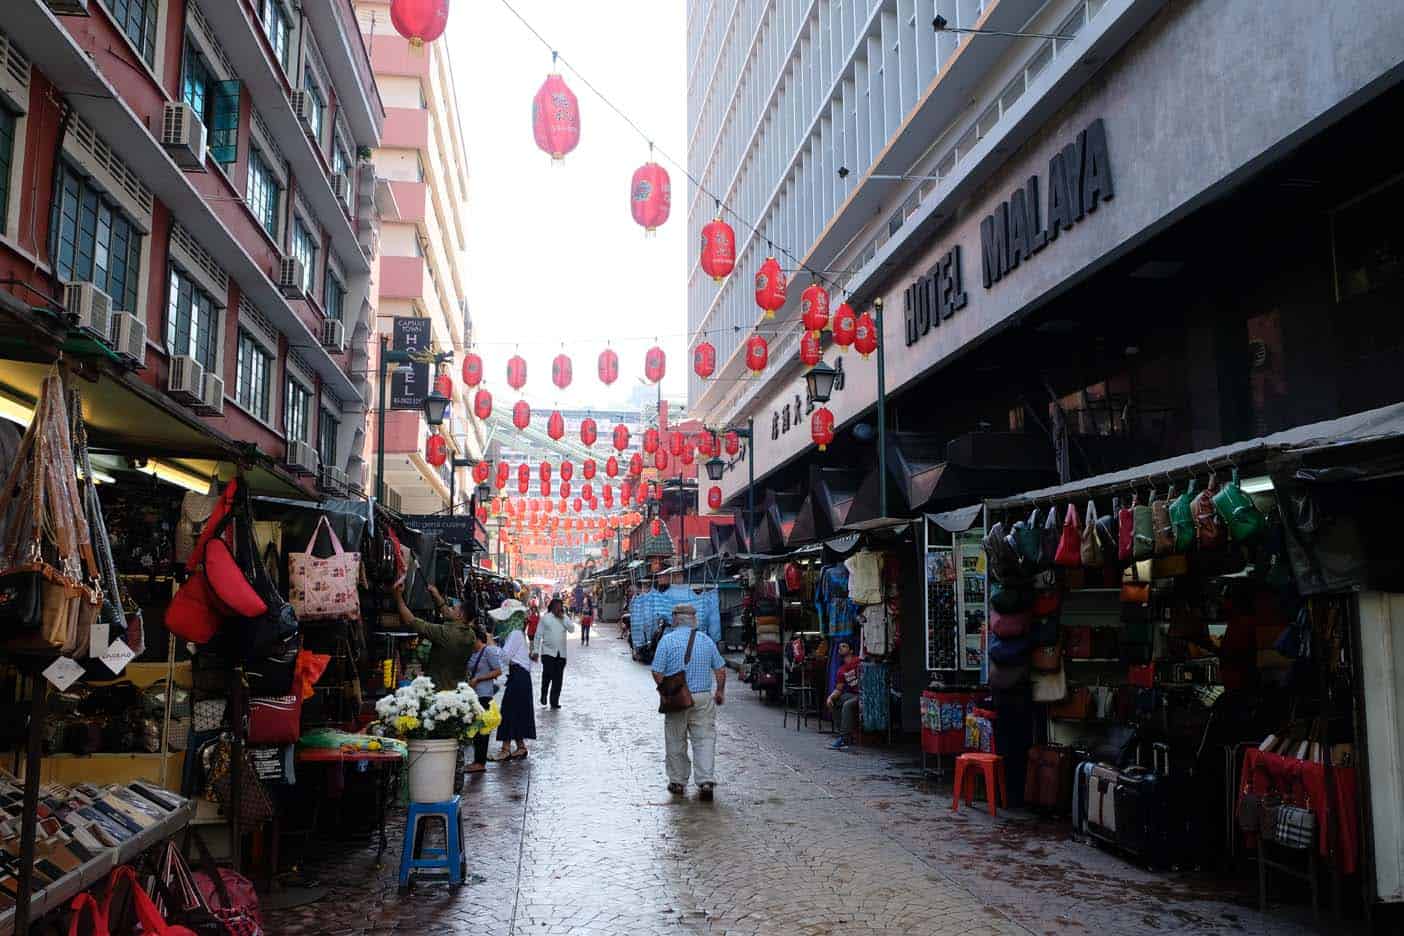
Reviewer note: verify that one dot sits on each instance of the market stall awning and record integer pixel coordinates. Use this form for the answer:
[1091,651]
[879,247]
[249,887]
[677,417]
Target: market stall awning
[826,505]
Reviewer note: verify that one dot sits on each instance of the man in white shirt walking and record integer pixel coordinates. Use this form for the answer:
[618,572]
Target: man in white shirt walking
[550,646]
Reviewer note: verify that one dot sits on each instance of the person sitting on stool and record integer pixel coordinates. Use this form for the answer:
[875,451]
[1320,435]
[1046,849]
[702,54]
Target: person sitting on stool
[843,701]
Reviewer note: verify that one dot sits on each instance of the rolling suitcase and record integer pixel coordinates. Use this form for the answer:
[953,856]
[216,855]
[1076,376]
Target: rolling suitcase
[1079,799]
[1048,778]
[1139,807]
[1101,802]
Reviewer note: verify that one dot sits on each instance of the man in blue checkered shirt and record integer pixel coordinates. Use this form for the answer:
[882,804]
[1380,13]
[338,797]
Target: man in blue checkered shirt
[704,669]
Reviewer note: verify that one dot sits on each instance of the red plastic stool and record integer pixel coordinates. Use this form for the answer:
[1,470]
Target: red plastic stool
[992,767]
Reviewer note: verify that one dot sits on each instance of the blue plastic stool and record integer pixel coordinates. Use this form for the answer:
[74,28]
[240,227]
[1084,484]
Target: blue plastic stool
[449,859]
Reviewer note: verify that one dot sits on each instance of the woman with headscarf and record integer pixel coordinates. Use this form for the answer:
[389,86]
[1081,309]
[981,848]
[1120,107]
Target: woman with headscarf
[518,716]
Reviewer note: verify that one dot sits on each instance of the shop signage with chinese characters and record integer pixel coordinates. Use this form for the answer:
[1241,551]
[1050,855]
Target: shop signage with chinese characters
[791,414]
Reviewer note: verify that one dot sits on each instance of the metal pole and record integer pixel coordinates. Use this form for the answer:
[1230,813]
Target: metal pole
[881,411]
[29,815]
[453,479]
[380,431]
[751,488]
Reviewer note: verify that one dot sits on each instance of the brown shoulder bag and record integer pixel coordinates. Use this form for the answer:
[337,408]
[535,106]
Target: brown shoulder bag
[673,694]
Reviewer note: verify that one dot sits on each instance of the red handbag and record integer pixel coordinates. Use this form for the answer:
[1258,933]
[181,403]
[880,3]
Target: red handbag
[1077,642]
[1142,677]
[275,719]
[1009,626]
[1069,554]
[229,583]
[85,901]
[191,614]
[1126,530]
[1046,603]
[147,913]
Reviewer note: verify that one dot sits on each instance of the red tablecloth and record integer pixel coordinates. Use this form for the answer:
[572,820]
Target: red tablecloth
[328,756]
[1261,769]
[951,740]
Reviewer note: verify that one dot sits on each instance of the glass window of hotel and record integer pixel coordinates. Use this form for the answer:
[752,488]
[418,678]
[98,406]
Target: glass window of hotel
[215,102]
[316,104]
[7,150]
[304,248]
[137,18]
[333,295]
[192,321]
[93,240]
[327,424]
[276,27]
[297,411]
[264,193]
[254,376]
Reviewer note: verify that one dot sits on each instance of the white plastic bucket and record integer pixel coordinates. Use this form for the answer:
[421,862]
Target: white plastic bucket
[431,769]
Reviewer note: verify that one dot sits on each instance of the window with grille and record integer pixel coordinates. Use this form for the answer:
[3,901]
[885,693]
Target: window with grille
[264,193]
[333,296]
[316,104]
[192,321]
[327,424]
[215,102]
[304,248]
[254,377]
[93,240]
[296,411]
[276,25]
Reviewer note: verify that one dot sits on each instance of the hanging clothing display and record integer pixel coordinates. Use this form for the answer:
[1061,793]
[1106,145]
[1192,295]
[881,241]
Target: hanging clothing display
[865,577]
[831,599]
[878,628]
[649,606]
[872,695]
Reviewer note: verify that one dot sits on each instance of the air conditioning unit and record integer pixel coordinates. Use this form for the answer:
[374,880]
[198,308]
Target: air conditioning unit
[341,188]
[290,277]
[186,381]
[212,394]
[69,7]
[183,135]
[91,309]
[334,335]
[129,337]
[302,105]
[331,479]
[302,458]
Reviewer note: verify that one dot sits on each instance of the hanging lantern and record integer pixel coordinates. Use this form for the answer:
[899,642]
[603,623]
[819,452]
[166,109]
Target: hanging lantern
[608,496]
[621,437]
[626,492]
[588,432]
[660,460]
[561,371]
[655,527]
[650,196]
[567,471]
[865,336]
[472,370]
[714,497]
[587,491]
[707,444]
[565,487]
[655,364]
[546,488]
[770,287]
[757,353]
[718,249]
[555,117]
[675,442]
[516,372]
[704,359]
[443,385]
[814,308]
[733,444]
[845,325]
[578,505]
[810,353]
[545,471]
[821,427]
[650,440]
[640,495]
[501,480]
[419,21]
[482,514]
[608,366]
[436,450]
[636,465]
[612,466]
[521,414]
[687,456]
[503,470]
[523,485]
[555,426]
[587,468]
[480,472]
[482,403]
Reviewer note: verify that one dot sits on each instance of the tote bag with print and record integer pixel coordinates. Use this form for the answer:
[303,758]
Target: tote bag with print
[324,589]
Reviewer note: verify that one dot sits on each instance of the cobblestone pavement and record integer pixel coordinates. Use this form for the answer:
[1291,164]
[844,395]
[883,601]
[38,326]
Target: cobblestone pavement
[583,838]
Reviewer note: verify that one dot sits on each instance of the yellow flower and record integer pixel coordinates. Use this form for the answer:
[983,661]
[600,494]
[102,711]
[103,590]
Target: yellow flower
[374,745]
[405,724]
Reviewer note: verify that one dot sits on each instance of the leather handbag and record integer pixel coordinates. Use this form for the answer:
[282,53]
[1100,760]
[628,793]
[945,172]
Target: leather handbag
[1011,599]
[153,922]
[324,589]
[1091,546]
[255,805]
[1049,537]
[1135,593]
[1241,516]
[673,692]
[1142,676]
[1069,554]
[195,511]
[1050,687]
[230,585]
[1182,518]
[1047,602]
[1107,532]
[272,675]
[1208,525]
[1143,531]
[1076,707]
[1003,560]
[1009,626]
[1126,530]
[1077,642]
[1047,659]
[1028,540]
[1164,529]
[275,720]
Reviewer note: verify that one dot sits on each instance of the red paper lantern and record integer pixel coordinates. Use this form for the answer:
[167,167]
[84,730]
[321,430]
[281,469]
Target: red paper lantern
[757,353]
[810,353]
[608,366]
[482,513]
[718,249]
[587,468]
[436,450]
[587,491]
[707,443]
[865,336]
[845,325]
[482,403]
[687,456]
[621,437]
[443,385]
[588,432]
[714,497]
[516,372]
[555,117]
[567,471]
[650,196]
[655,364]
[660,460]
[578,505]
[561,371]
[676,442]
[565,487]
[821,427]
[524,474]
[704,359]
[521,414]
[545,488]
[733,443]
[814,308]
[608,496]
[419,21]
[770,287]
[480,472]
[650,440]
[636,465]
[523,485]
[555,426]
[640,496]
[545,471]
[655,527]
[472,369]
[612,467]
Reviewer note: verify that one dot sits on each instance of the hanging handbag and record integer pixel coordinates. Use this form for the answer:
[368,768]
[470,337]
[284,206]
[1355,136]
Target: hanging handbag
[1208,526]
[1069,554]
[1049,687]
[1049,537]
[272,675]
[1182,517]
[1007,675]
[1012,625]
[1043,632]
[324,589]
[1028,541]
[1077,642]
[195,612]
[1107,532]
[85,904]
[1011,599]
[1009,651]
[275,720]
[195,512]
[255,805]
[1126,530]
[178,897]
[1046,659]
[1077,706]
[1047,602]
[1091,546]
[229,583]
[673,692]
[1003,560]
[1143,531]
[1164,542]
[1240,515]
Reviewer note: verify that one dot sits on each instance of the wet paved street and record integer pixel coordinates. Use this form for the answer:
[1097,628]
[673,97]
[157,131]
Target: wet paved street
[583,837]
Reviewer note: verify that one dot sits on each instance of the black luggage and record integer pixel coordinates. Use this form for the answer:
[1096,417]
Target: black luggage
[1140,813]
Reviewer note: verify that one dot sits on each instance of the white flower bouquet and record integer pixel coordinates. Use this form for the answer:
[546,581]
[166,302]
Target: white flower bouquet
[419,711]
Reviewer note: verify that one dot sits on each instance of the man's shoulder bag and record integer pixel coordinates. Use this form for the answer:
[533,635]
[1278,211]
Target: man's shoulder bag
[673,694]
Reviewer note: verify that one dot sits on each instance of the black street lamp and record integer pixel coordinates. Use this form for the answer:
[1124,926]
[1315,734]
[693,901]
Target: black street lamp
[456,463]
[819,380]
[435,404]
[716,467]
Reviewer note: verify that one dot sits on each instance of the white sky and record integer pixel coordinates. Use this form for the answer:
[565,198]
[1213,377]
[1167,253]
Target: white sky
[554,254]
